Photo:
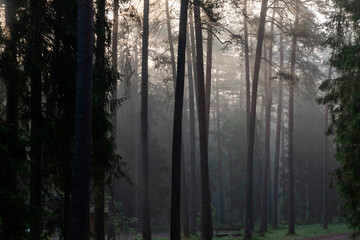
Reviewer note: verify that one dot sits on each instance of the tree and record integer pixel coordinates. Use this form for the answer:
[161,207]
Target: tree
[80,205]
[114,60]
[35,72]
[146,221]
[171,44]
[325,167]
[175,229]
[206,218]
[277,141]
[249,224]
[291,204]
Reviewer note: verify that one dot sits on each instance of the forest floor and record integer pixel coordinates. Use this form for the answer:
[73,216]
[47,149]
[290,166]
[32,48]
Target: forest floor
[304,232]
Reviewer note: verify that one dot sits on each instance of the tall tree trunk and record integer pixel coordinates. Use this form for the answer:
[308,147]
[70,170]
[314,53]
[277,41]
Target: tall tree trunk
[137,134]
[277,141]
[184,197]
[114,60]
[291,220]
[80,205]
[220,166]
[175,227]
[264,203]
[171,44]
[208,75]
[192,146]
[206,218]
[35,49]
[146,221]
[249,223]
[247,70]
[325,170]
[98,132]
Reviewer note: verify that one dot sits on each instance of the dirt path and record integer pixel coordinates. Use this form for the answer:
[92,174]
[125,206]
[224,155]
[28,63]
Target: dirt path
[344,236]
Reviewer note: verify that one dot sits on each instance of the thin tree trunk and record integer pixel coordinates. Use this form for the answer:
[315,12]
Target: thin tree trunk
[247,70]
[171,44]
[220,167]
[36,8]
[175,225]
[206,218]
[249,223]
[192,146]
[193,53]
[184,197]
[325,170]
[291,213]
[277,141]
[114,60]
[208,75]
[146,223]
[137,134]
[80,205]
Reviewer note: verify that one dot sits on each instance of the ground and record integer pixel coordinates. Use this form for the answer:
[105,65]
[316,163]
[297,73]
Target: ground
[304,232]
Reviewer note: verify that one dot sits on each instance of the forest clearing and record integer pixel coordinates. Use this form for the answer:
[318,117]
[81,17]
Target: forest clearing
[172,119]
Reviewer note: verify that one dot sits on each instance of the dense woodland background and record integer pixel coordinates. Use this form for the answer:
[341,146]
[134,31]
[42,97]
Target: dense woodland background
[126,117]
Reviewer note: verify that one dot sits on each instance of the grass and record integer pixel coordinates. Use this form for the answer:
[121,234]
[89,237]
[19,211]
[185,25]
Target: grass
[302,231]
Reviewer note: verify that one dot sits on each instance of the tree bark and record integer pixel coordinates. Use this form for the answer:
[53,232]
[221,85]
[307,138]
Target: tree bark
[206,218]
[193,53]
[277,141]
[291,218]
[80,205]
[249,223]
[175,225]
[247,70]
[146,223]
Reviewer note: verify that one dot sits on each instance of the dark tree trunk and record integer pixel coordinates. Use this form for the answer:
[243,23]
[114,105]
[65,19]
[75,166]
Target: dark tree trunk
[291,204]
[171,44]
[277,141]
[192,146]
[99,131]
[175,227]
[146,221]
[208,75]
[206,218]
[114,60]
[325,167]
[35,49]
[184,197]
[220,165]
[249,222]
[80,205]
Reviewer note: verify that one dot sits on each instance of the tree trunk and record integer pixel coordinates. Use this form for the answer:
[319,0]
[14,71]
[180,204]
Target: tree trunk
[114,60]
[249,224]
[325,170]
[146,221]
[192,145]
[80,205]
[175,227]
[206,218]
[184,198]
[35,49]
[277,141]
[247,70]
[136,138]
[291,218]
[220,167]
[171,44]
[208,75]
[193,53]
